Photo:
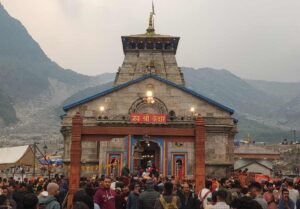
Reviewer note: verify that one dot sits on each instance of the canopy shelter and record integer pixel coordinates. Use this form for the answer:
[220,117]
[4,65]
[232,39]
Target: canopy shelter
[16,156]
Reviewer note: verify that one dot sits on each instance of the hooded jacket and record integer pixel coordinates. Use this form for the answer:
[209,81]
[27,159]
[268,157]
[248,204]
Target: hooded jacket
[49,202]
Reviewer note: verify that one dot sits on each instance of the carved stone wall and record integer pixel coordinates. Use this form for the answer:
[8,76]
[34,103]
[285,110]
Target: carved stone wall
[186,148]
[219,123]
[136,64]
[120,102]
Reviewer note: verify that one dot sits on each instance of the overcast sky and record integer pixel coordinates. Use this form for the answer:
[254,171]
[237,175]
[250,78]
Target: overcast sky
[256,39]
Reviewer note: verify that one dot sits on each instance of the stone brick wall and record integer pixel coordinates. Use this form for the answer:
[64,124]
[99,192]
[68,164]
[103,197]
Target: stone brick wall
[119,102]
[220,128]
[185,148]
[217,148]
[136,64]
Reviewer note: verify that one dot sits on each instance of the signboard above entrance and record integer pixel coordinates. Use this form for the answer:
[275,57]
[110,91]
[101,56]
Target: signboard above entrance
[148,118]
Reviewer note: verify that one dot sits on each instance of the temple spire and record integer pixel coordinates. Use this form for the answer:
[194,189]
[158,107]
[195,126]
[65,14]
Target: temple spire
[150,29]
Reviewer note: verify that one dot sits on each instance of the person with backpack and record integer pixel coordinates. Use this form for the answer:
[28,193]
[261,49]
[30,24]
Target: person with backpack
[205,193]
[187,198]
[50,202]
[167,200]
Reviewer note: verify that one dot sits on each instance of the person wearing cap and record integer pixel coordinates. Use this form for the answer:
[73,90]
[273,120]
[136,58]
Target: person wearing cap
[148,197]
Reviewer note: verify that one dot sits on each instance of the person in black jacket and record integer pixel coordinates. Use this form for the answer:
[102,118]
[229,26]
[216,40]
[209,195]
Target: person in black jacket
[133,198]
[188,199]
[148,197]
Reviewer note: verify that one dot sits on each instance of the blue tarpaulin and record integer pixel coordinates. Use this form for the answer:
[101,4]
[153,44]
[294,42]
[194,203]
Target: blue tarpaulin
[51,161]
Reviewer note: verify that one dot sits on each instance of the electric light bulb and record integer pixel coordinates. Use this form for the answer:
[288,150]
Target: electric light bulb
[149,93]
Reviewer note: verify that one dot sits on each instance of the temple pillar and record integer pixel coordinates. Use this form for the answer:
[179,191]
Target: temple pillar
[199,153]
[75,157]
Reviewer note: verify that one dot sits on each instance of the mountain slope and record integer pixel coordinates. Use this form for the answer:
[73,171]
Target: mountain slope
[255,108]
[32,86]
[7,111]
[289,113]
[286,91]
[25,70]
[22,62]
[230,90]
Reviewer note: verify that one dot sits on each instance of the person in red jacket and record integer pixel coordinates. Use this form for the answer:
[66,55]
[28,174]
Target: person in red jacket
[105,198]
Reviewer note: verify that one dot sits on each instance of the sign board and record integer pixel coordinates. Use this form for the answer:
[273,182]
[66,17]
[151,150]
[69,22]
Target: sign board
[148,118]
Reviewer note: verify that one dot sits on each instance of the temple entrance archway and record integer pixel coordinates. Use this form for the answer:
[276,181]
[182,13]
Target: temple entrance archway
[147,153]
[161,136]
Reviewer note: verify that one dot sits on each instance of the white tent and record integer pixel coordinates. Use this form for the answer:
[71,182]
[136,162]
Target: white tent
[15,156]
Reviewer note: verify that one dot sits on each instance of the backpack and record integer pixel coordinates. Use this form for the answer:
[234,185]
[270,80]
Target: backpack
[43,205]
[203,198]
[171,205]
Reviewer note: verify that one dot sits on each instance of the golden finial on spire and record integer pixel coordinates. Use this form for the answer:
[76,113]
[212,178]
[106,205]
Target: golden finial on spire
[150,29]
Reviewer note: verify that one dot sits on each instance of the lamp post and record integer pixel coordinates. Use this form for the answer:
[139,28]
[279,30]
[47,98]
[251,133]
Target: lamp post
[34,157]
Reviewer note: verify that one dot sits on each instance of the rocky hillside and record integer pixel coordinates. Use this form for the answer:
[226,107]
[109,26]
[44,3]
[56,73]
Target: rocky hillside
[288,113]
[32,86]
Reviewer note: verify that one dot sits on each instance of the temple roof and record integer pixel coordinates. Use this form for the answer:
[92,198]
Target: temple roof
[153,35]
[156,77]
[240,164]
[256,150]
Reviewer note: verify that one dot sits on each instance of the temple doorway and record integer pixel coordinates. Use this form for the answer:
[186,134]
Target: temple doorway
[146,154]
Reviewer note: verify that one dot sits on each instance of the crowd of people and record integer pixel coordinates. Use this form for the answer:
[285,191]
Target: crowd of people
[148,192]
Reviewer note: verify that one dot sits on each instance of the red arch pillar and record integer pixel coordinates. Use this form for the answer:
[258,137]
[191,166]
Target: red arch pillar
[75,156]
[199,153]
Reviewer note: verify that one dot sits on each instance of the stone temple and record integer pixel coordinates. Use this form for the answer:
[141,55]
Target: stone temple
[148,118]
